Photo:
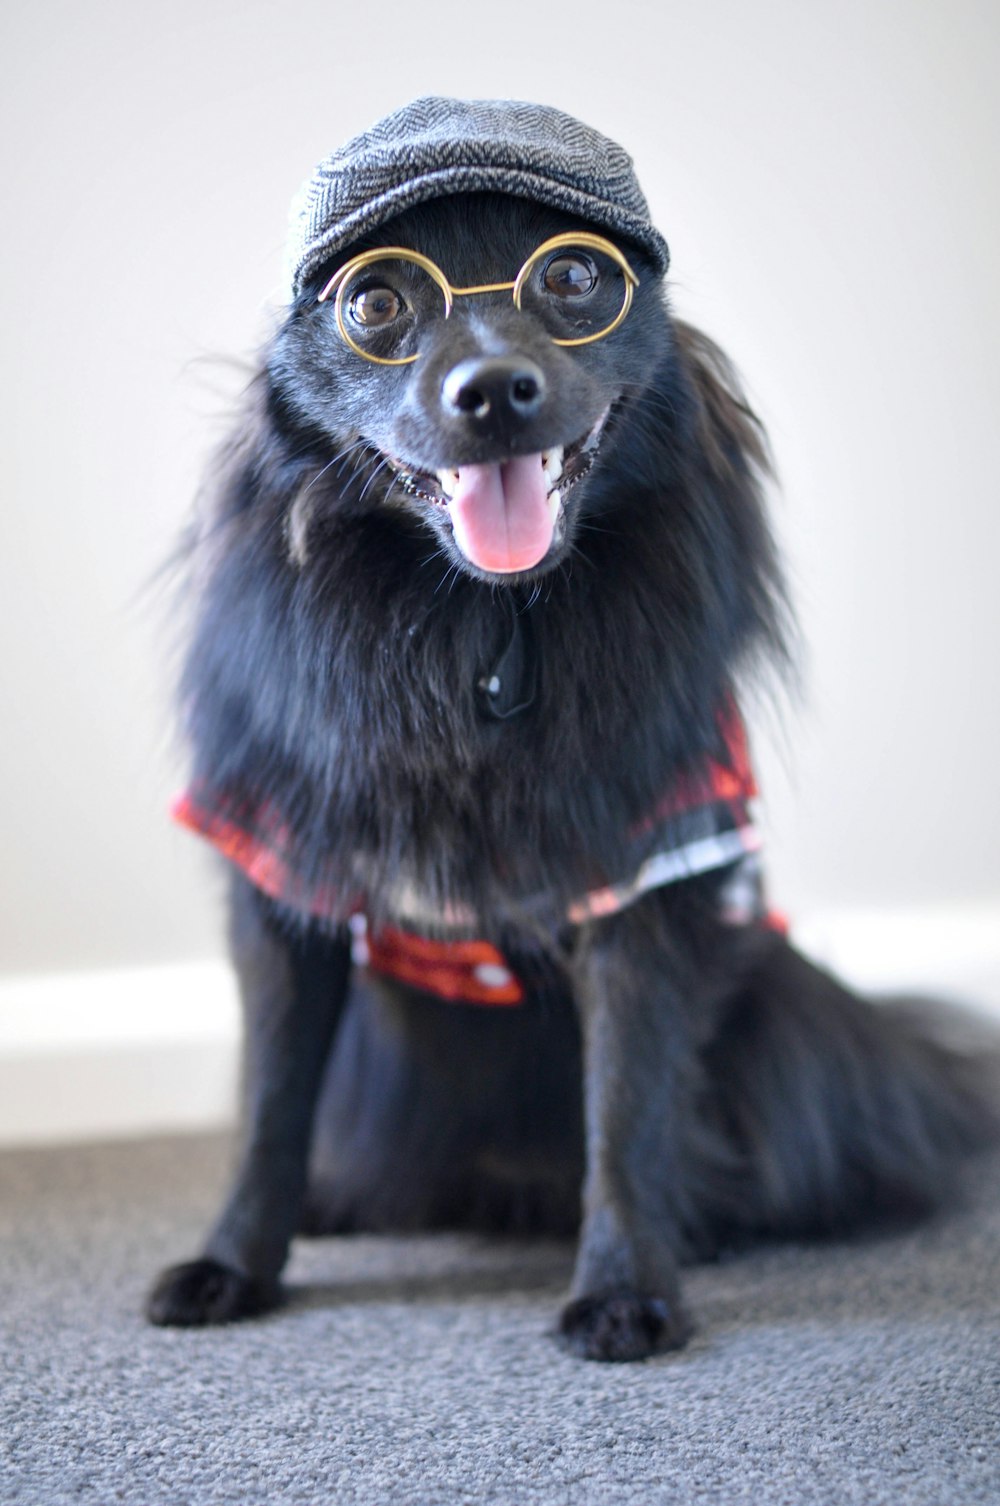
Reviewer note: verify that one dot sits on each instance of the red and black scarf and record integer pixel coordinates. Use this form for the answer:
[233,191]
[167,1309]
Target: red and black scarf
[705,824]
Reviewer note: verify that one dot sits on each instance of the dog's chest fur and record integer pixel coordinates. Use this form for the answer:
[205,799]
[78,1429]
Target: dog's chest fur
[380,747]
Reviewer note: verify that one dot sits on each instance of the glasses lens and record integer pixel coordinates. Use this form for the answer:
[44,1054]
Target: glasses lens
[384,304]
[578,291]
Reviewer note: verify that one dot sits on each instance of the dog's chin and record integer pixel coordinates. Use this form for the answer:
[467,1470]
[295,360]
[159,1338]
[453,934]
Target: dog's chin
[507,519]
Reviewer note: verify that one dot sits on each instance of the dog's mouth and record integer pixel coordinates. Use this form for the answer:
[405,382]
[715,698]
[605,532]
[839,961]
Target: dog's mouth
[506,515]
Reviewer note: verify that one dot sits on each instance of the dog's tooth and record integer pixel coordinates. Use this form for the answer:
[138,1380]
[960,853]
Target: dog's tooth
[554,503]
[552,464]
[448,479]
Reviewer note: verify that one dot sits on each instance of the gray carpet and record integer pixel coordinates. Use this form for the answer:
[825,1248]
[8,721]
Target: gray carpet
[420,1371]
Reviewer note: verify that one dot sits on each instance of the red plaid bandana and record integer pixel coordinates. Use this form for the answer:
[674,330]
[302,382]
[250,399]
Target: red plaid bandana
[704,825]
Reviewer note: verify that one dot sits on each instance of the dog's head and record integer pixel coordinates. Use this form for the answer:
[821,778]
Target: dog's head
[476,381]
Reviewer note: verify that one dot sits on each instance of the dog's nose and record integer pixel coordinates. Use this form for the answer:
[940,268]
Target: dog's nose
[501,387]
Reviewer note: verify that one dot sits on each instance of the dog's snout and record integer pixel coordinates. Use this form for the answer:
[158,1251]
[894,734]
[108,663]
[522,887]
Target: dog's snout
[501,387]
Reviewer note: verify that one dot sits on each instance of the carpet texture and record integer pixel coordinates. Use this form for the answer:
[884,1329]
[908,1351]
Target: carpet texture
[422,1372]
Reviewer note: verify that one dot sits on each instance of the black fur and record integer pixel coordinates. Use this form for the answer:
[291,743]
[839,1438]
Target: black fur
[702,1083]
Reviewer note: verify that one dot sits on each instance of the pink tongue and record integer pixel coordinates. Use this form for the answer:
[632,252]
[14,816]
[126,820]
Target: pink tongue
[501,518]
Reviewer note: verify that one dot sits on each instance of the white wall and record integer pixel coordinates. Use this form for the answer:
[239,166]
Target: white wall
[827,176]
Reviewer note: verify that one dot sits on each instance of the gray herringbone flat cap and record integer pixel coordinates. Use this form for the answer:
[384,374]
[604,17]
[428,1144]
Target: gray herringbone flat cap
[434,147]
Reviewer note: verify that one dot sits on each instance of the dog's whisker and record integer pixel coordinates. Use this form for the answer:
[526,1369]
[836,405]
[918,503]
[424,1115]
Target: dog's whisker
[359,455]
[329,466]
[341,460]
[450,572]
[374,475]
[389,489]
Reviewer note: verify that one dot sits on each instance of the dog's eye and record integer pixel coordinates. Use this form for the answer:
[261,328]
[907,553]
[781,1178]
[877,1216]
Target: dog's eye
[374,308]
[569,275]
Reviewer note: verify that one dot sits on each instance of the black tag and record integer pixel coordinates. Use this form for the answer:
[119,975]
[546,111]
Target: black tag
[511,685]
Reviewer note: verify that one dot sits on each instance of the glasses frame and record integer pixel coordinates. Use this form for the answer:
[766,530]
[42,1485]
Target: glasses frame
[585,239]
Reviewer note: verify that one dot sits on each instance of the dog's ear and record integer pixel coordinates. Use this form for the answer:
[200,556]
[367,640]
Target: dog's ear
[729,467]
[230,483]
[729,432]
[251,476]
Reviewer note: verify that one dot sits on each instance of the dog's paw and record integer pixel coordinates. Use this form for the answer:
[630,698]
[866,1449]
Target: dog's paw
[622,1326]
[204,1291]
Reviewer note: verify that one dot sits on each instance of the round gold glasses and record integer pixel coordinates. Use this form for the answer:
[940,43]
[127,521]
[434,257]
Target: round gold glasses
[569,276]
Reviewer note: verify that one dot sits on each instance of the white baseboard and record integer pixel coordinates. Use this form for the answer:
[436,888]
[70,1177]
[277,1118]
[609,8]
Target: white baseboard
[947,951]
[130,1051]
[138,1051]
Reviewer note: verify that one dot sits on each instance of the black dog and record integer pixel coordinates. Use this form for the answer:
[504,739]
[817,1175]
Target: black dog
[465,660]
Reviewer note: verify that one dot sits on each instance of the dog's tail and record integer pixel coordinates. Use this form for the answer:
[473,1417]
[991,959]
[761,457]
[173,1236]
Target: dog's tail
[841,1111]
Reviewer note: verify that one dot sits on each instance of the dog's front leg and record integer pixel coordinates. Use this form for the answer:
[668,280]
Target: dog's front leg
[293,987]
[639,1066]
